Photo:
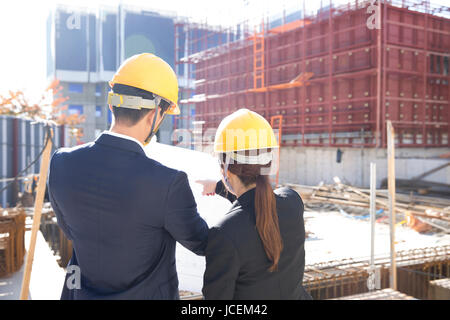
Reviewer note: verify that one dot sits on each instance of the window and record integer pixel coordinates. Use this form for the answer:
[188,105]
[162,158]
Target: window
[76,87]
[446,66]
[98,111]
[439,64]
[109,116]
[75,109]
[98,90]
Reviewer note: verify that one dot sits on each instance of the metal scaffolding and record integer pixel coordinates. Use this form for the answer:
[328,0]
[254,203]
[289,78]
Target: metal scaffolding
[334,76]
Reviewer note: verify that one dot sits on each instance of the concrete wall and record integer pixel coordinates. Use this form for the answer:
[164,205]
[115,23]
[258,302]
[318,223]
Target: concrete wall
[440,289]
[311,165]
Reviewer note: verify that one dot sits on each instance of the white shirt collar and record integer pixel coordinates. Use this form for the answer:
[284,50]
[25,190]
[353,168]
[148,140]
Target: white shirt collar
[119,135]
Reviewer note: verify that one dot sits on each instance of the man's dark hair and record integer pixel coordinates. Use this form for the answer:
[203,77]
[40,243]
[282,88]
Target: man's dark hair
[129,116]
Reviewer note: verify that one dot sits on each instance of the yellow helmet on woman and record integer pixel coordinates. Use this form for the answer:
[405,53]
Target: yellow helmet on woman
[245,130]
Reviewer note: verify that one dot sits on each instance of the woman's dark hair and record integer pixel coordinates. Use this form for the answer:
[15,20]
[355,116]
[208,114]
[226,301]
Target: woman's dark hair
[265,208]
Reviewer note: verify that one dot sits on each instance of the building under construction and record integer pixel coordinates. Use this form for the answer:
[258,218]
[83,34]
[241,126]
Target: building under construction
[328,82]
[333,79]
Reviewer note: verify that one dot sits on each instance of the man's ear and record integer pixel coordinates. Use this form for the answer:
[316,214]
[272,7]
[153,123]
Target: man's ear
[149,117]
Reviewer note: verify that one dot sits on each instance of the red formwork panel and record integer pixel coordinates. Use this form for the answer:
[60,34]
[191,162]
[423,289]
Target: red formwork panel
[225,103]
[290,96]
[319,33]
[399,33]
[359,60]
[342,62]
[241,97]
[438,40]
[438,90]
[362,34]
[415,86]
[259,100]
[360,87]
[293,52]
[283,48]
[342,39]
[274,102]
[318,66]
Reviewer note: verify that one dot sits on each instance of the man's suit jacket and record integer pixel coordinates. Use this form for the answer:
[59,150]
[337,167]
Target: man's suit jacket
[124,213]
[236,262]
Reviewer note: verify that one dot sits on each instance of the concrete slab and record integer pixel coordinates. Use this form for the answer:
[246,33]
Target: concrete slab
[337,236]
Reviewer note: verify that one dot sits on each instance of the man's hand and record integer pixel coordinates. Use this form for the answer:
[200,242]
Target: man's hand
[209,187]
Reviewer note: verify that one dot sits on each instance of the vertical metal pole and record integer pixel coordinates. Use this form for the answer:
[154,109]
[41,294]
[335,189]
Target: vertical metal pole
[99,51]
[177,72]
[15,163]
[384,84]
[373,280]
[373,186]
[330,74]
[391,191]
[118,35]
[88,48]
[379,90]
[303,70]
[424,79]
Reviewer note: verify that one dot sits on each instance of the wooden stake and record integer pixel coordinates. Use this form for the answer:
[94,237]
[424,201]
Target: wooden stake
[391,191]
[40,192]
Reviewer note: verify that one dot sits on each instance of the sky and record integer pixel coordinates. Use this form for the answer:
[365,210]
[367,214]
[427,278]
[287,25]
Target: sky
[23,31]
[23,28]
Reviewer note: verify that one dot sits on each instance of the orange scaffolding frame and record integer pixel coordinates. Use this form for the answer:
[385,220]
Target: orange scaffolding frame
[280,133]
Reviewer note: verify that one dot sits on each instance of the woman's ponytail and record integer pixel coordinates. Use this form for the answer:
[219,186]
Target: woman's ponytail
[265,208]
[267,220]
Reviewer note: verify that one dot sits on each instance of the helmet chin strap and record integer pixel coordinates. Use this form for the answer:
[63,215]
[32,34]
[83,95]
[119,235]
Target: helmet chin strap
[155,128]
[152,130]
[225,177]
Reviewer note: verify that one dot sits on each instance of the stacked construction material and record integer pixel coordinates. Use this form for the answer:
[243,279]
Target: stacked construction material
[386,294]
[189,295]
[12,243]
[347,277]
[440,289]
[55,237]
[420,212]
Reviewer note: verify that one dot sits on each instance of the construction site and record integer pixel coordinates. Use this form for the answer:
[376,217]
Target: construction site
[358,94]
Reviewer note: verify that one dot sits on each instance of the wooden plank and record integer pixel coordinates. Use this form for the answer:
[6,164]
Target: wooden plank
[391,189]
[37,215]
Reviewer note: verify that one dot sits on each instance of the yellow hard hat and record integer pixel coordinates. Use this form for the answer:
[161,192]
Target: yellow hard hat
[150,73]
[244,130]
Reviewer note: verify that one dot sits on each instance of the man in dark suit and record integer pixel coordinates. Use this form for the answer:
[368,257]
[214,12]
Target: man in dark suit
[123,211]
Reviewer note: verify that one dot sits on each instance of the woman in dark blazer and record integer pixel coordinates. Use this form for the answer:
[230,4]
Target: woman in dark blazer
[257,250]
